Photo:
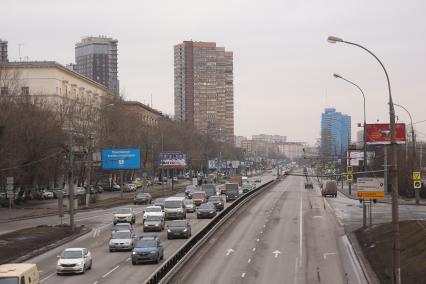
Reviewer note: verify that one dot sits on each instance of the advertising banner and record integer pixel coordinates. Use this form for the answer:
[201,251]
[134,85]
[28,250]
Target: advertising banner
[172,160]
[378,134]
[212,164]
[370,188]
[121,159]
[355,157]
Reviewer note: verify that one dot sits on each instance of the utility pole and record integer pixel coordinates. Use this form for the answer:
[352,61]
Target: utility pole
[71,181]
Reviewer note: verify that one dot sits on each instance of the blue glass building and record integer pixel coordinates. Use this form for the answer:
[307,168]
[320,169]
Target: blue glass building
[335,133]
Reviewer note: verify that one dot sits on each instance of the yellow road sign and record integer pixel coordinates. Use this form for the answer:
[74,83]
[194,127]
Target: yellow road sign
[417,176]
[350,169]
[349,177]
[370,194]
[417,184]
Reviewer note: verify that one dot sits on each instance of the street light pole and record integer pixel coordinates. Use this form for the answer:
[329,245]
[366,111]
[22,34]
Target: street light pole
[365,119]
[396,269]
[413,150]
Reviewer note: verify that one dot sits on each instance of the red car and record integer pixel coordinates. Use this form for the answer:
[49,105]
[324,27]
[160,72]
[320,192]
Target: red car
[199,197]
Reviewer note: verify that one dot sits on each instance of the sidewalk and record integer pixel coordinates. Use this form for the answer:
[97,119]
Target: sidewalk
[387,199]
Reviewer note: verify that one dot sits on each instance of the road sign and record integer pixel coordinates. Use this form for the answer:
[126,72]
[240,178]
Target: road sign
[417,184]
[121,159]
[350,169]
[9,180]
[349,177]
[370,187]
[417,176]
[9,193]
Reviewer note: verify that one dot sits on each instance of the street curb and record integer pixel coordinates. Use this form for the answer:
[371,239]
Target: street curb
[368,272]
[59,243]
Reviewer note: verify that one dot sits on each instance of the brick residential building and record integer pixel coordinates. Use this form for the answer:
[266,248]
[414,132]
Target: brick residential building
[204,88]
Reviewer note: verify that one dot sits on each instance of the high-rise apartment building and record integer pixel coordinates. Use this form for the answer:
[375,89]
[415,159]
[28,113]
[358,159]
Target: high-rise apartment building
[335,133]
[3,51]
[270,138]
[96,58]
[204,88]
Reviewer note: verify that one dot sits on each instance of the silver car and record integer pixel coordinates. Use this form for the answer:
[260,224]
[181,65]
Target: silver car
[122,240]
[189,205]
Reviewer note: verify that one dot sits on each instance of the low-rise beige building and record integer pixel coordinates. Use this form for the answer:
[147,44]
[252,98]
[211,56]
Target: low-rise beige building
[50,80]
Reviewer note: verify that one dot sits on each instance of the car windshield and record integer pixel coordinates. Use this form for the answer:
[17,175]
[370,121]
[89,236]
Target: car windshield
[191,188]
[153,218]
[173,204]
[8,280]
[159,201]
[215,198]
[208,186]
[179,223]
[121,227]
[198,195]
[146,243]
[153,209]
[124,211]
[121,235]
[246,186]
[142,195]
[188,202]
[72,254]
[206,206]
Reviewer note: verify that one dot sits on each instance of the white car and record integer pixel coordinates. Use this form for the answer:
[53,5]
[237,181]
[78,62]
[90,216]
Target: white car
[47,194]
[153,211]
[74,260]
[124,215]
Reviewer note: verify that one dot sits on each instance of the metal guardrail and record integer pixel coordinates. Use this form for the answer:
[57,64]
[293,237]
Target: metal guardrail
[169,268]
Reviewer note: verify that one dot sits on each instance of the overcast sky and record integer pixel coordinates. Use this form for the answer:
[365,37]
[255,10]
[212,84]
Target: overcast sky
[283,64]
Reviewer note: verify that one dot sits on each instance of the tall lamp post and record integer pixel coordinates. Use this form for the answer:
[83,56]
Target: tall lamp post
[365,119]
[413,151]
[396,269]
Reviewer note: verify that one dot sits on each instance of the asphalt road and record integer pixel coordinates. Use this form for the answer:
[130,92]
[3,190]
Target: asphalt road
[108,267]
[286,235]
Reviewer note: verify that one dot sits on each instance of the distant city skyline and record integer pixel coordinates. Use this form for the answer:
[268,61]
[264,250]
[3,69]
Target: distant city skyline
[283,63]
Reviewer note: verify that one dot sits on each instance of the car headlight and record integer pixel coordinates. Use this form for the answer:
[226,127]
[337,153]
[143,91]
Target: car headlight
[133,252]
[179,210]
[211,212]
[184,230]
[220,203]
[152,252]
[169,231]
[156,225]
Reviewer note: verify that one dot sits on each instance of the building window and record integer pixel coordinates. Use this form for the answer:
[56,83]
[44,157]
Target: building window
[4,91]
[25,91]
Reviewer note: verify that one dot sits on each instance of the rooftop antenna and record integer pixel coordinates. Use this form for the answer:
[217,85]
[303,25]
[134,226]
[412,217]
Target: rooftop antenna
[19,50]
[151,102]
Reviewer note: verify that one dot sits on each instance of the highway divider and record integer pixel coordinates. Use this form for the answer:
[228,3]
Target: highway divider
[171,266]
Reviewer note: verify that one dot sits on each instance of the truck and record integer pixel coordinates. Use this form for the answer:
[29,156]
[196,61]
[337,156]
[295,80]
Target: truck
[231,191]
[236,179]
[330,188]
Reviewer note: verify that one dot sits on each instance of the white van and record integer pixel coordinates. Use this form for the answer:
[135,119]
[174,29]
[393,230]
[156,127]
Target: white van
[19,273]
[174,208]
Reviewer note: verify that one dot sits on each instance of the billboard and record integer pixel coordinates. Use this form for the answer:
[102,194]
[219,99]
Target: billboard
[379,133]
[370,188]
[355,157]
[212,164]
[121,159]
[172,160]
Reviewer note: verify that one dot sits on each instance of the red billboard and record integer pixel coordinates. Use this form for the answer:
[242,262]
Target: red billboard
[379,133]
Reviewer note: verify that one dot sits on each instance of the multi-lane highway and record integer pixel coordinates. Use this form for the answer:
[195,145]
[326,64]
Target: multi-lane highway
[108,267]
[286,235]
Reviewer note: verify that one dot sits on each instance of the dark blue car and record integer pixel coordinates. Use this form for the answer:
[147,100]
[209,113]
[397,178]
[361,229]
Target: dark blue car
[147,249]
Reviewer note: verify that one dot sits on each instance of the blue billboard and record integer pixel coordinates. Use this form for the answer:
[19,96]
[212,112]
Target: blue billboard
[121,159]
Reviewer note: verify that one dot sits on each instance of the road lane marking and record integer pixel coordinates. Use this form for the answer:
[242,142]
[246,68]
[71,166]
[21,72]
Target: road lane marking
[229,251]
[243,275]
[264,226]
[261,232]
[111,271]
[47,277]
[301,230]
[96,282]
[318,216]
[254,249]
[354,260]
[257,240]
[296,268]
[324,255]
[128,259]
[249,260]
[276,253]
